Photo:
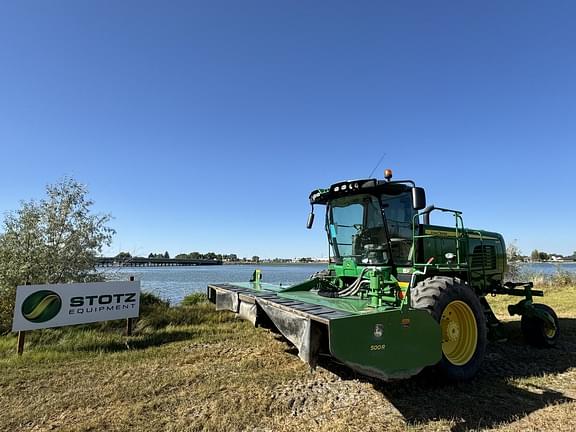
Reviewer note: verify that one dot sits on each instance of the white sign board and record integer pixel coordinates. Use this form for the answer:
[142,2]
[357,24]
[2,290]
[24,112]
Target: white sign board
[44,306]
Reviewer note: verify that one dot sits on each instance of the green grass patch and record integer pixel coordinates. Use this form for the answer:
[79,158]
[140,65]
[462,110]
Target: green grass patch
[159,324]
[194,299]
[561,298]
[192,368]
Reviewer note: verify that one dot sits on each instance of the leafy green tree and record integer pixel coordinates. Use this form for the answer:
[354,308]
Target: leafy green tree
[543,256]
[255,258]
[513,252]
[535,255]
[123,256]
[53,240]
[152,255]
[166,255]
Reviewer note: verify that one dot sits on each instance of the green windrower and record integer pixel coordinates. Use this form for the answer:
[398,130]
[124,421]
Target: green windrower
[399,293]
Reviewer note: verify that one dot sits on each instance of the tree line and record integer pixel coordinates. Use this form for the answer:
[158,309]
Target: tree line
[537,255]
[192,256]
[232,258]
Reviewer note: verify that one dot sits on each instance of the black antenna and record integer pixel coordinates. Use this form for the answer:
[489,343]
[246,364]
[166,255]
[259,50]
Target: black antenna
[377,165]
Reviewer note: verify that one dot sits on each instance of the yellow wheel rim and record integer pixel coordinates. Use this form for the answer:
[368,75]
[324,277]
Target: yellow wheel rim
[550,331]
[459,333]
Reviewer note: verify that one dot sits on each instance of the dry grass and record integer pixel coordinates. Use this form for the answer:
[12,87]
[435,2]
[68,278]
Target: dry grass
[222,374]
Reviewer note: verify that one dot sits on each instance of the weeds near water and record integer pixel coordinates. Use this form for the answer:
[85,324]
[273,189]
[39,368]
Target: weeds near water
[194,298]
[560,278]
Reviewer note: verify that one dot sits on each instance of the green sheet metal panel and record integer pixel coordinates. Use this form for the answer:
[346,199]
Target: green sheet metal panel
[387,345]
[354,305]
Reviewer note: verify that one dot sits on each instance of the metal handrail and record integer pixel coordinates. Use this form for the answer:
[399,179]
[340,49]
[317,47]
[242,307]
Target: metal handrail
[460,231]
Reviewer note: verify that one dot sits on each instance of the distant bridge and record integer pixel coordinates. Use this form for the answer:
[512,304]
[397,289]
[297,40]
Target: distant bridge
[153,262]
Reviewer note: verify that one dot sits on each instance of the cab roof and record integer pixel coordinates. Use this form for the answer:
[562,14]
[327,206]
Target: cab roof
[360,186]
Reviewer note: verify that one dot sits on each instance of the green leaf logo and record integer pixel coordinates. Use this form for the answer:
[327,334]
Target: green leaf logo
[41,306]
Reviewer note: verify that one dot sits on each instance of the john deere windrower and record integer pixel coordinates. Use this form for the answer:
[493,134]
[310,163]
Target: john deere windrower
[399,293]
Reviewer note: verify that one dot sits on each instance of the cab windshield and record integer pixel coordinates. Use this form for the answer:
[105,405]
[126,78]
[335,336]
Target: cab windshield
[367,229]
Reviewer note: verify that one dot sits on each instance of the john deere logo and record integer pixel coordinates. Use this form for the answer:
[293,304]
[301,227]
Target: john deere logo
[41,306]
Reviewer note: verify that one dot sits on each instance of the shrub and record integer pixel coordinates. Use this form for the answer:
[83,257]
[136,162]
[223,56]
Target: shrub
[54,240]
[194,298]
[563,278]
[195,309]
[513,256]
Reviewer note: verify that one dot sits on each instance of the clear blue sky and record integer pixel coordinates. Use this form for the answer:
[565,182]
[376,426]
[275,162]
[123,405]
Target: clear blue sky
[203,125]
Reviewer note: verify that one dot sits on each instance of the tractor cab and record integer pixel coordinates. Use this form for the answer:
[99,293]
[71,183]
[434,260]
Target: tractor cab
[370,222]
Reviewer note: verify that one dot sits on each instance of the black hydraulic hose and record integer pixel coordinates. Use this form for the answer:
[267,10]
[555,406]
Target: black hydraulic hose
[354,285]
[358,287]
[350,288]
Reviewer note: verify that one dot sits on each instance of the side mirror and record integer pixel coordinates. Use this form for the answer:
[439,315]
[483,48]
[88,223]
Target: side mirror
[418,198]
[310,221]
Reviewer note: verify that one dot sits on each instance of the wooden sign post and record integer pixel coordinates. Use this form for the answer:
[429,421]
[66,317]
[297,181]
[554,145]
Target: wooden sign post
[129,320]
[21,337]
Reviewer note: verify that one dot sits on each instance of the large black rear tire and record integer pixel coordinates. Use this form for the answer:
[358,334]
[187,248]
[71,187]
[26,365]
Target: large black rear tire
[462,322]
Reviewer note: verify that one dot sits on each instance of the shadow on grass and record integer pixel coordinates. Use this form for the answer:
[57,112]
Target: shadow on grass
[157,338]
[104,341]
[158,326]
[490,398]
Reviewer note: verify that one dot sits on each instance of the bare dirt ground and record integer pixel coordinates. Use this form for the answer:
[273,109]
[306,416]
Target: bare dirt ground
[232,377]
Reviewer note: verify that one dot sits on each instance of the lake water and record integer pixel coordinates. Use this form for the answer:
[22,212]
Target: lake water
[173,283]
